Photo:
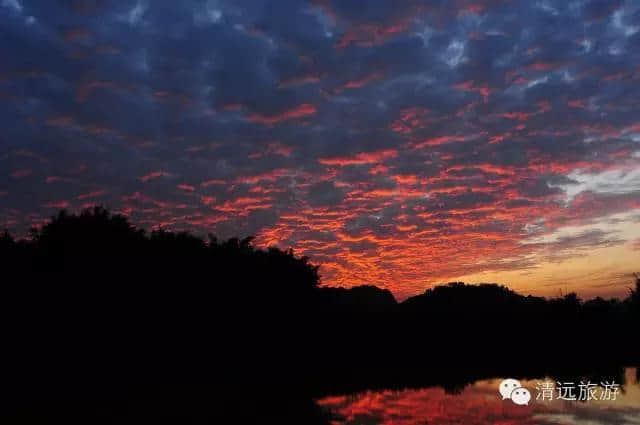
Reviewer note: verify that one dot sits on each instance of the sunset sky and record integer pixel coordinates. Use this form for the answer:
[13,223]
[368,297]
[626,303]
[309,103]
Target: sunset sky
[395,143]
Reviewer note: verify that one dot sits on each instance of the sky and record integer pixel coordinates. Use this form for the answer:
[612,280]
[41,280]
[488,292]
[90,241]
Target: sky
[401,144]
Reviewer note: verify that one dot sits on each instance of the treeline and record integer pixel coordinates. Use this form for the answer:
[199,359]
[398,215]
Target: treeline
[94,262]
[96,245]
[89,299]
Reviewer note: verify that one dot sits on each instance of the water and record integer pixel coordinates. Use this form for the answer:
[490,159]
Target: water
[481,404]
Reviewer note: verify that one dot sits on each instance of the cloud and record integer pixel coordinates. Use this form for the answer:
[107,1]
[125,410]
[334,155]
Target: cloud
[610,181]
[359,159]
[16,5]
[300,111]
[371,135]
[154,175]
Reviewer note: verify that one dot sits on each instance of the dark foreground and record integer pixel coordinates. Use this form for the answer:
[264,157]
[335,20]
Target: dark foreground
[103,323]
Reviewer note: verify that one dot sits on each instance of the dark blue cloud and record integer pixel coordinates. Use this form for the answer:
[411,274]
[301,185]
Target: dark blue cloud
[289,108]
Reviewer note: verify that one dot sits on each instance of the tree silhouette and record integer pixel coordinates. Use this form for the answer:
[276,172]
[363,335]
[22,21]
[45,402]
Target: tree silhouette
[159,306]
[634,297]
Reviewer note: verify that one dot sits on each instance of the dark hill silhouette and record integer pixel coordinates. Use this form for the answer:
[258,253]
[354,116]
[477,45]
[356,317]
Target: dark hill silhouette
[476,299]
[94,306]
[360,299]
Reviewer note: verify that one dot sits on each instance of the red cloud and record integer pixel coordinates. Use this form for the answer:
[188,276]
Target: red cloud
[300,80]
[279,149]
[578,103]
[476,8]
[519,116]
[273,149]
[360,159]
[58,204]
[367,79]
[373,34]
[212,182]
[410,119]
[244,205]
[545,65]
[154,175]
[436,141]
[406,178]
[499,138]
[186,187]
[207,200]
[300,111]
[482,89]
[93,194]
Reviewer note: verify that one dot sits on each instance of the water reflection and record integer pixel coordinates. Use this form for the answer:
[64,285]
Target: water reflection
[481,404]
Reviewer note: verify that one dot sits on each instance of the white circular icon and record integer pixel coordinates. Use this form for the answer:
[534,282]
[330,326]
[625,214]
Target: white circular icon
[521,396]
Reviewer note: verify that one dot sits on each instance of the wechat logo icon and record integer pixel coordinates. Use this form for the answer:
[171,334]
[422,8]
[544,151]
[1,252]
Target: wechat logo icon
[511,389]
